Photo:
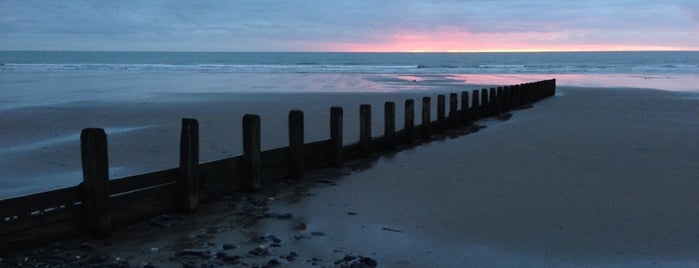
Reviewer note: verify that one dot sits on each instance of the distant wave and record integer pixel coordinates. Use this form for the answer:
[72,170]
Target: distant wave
[356,68]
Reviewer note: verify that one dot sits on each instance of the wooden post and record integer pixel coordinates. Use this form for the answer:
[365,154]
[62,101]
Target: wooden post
[426,121]
[297,153]
[335,136]
[485,106]
[465,114]
[409,124]
[453,113]
[500,101]
[252,162]
[506,99]
[365,130]
[441,106]
[188,180]
[475,107]
[389,133]
[93,146]
[493,103]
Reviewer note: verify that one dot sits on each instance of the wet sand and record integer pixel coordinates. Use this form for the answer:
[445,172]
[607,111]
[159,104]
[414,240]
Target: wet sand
[591,177]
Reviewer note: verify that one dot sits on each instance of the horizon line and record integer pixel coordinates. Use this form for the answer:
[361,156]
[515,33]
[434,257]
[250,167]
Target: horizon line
[397,52]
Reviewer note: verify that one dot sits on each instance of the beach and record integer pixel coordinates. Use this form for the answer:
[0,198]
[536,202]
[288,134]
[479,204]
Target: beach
[589,177]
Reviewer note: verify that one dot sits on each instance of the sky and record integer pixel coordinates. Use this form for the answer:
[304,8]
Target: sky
[352,25]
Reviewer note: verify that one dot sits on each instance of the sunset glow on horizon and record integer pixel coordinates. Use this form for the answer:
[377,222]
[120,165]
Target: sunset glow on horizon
[351,26]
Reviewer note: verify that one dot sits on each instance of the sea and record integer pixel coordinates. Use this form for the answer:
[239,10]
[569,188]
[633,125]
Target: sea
[43,79]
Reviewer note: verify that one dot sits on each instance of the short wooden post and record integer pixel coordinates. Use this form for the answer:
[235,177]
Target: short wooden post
[296,144]
[335,136]
[441,107]
[252,162]
[426,121]
[475,107]
[409,118]
[465,114]
[365,130]
[188,180]
[453,113]
[93,145]
[389,133]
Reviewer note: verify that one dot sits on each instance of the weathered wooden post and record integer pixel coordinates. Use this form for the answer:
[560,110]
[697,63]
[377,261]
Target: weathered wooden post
[297,153]
[426,121]
[485,105]
[252,162]
[188,192]
[475,107]
[93,146]
[493,102]
[465,114]
[506,96]
[453,113]
[389,133]
[365,130]
[441,106]
[335,136]
[409,124]
[500,101]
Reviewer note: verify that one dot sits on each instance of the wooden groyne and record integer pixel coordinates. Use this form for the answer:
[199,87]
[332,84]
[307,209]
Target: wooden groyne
[98,204]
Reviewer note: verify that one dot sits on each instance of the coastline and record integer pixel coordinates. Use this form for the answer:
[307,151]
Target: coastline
[591,177]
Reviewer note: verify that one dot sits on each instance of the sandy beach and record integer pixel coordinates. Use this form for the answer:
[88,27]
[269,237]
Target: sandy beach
[591,177]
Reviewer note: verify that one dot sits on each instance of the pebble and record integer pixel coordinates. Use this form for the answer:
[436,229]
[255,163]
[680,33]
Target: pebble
[201,253]
[228,246]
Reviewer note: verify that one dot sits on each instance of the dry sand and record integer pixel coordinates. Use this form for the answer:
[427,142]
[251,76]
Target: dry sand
[591,177]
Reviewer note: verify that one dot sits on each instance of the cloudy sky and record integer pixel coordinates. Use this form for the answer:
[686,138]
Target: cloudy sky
[352,25]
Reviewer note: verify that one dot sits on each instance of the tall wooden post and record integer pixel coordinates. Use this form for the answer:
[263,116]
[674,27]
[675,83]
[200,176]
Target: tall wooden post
[93,146]
[188,180]
[297,153]
[365,130]
[493,103]
[453,113]
[389,133]
[475,107]
[252,162]
[485,105]
[426,121]
[409,124]
[506,99]
[500,101]
[335,136]
[441,107]
[465,114]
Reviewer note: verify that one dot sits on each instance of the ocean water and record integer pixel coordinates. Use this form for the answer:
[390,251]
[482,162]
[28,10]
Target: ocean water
[356,63]
[40,78]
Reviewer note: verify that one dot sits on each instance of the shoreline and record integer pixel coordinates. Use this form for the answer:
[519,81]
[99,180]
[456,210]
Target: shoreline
[591,177]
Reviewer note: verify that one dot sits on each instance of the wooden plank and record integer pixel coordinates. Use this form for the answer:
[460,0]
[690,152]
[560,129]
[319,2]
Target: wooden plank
[41,220]
[141,205]
[127,184]
[25,205]
[93,144]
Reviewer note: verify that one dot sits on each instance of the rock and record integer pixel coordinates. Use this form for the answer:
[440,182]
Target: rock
[300,226]
[259,251]
[316,233]
[351,213]
[200,253]
[273,263]
[228,246]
